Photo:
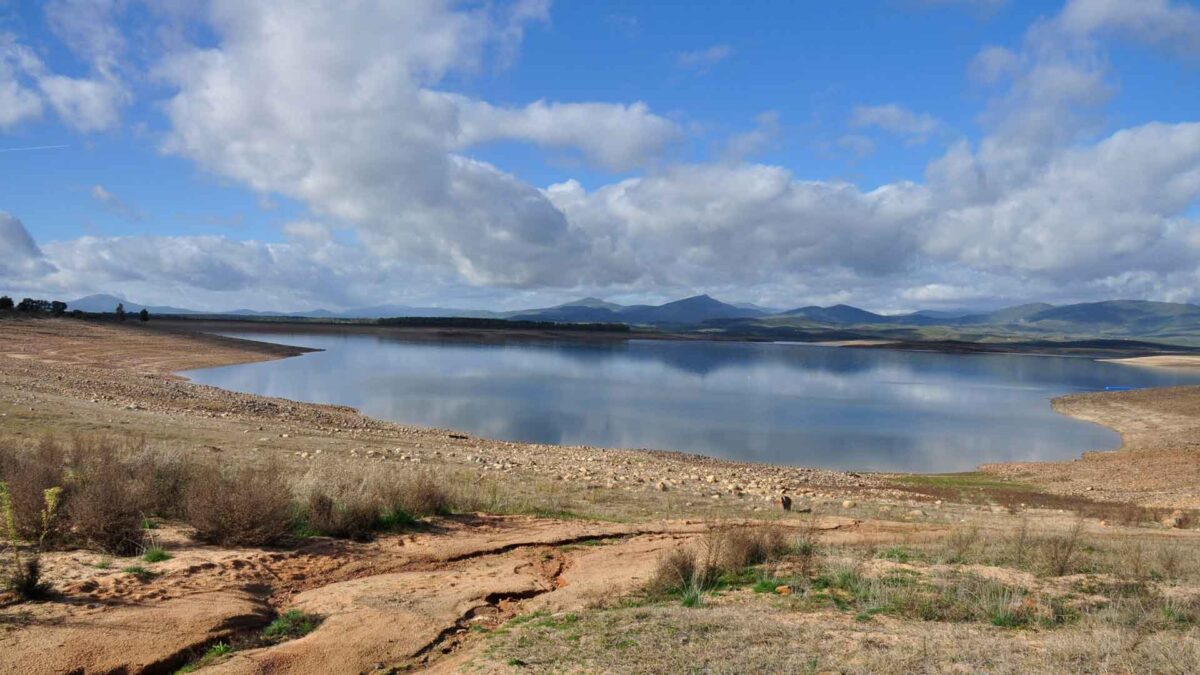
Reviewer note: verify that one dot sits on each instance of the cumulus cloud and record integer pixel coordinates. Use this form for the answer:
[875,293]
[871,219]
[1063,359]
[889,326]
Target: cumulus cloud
[612,135]
[1175,25]
[87,104]
[349,111]
[897,119]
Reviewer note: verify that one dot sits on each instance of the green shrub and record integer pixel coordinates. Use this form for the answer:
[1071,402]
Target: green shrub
[290,625]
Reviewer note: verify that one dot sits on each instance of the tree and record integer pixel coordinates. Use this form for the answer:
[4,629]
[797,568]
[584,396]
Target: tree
[144,315]
[58,307]
[6,303]
[120,311]
[32,306]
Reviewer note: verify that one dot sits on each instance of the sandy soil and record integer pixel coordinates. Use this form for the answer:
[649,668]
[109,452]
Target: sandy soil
[1165,361]
[412,601]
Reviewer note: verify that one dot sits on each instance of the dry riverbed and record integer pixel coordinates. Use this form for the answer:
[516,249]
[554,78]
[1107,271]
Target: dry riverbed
[555,582]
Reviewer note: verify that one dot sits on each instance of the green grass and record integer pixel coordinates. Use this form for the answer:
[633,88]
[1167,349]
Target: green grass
[138,571]
[104,563]
[558,623]
[896,554]
[214,654]
[156,554]
[148,524]
[290,625]
[966,481]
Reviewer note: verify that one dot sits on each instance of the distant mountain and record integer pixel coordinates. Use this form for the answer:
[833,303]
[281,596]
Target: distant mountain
[838,314]
[1110,319]
[594,303]
[693,310]
[1003,317]
[108,303]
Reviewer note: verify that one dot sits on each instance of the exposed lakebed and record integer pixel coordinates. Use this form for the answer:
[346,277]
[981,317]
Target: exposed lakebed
[868,409]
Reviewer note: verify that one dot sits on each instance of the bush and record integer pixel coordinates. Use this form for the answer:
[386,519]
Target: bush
[242,507]
[354,515]
[419,495]
[162,481]
[105,507]
[28,476]
[26,581]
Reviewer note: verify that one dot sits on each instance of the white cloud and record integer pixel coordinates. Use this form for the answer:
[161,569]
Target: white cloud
[86,104]
[897,119]
[766,130]
[19,102]
[349,111]
[614,136]
[1174,25]
[114,204]
[703,59]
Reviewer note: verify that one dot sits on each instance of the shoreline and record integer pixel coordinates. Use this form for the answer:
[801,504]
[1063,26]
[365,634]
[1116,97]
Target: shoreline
[166,350]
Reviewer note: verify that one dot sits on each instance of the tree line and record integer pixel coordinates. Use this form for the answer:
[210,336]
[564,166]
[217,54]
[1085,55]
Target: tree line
[38,307]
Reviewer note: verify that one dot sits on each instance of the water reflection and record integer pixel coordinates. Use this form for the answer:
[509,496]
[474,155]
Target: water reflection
[793,404]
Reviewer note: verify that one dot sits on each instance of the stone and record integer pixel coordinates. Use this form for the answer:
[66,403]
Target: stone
[661,486]
[783,590]
[1174,521]
[848,504]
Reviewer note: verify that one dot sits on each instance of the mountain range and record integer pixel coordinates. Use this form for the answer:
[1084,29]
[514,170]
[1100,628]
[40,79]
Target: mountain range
[1114,318]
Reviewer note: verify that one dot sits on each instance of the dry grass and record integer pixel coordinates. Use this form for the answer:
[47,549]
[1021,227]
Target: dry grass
[243,506]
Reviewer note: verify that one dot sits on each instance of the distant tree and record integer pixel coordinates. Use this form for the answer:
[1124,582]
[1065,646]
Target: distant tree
[58,308]
[6,303]
[32,306]
[144,315]
[120,311]
[77,313]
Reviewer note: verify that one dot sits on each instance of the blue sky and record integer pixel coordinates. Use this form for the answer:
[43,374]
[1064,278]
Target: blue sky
[894,154]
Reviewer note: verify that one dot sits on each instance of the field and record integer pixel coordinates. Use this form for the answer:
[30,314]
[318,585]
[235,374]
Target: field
[266,535]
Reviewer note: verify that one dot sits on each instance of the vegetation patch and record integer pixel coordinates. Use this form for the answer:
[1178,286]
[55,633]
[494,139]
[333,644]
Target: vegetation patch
[290,625]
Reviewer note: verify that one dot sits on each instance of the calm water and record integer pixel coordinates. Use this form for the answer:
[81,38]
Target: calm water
[867,409]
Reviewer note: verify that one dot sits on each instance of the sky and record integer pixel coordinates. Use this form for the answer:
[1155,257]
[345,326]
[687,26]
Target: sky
[891,154]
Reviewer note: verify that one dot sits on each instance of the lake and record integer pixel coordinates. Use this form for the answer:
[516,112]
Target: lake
[866,409]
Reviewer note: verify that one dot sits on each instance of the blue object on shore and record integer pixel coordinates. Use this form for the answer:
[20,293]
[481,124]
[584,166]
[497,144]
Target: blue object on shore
[1119,388]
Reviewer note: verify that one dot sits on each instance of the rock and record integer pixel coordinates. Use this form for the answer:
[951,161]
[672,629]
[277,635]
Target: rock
[848,504]
[785,502]
[710,479]
[661,486]
[915,513]
[783,590]
[1174,521]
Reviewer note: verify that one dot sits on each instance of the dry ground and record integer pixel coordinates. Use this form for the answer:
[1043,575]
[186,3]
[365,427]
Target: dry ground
[882,575]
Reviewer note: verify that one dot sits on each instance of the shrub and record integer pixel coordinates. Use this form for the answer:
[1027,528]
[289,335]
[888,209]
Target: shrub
[26,580]
[290,625]
[162,480]
[418,495]
[354,515]
[244,507]
[28,476]
[105,507]
[6,303]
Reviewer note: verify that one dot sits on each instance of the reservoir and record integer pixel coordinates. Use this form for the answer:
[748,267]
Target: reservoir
[807,405]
